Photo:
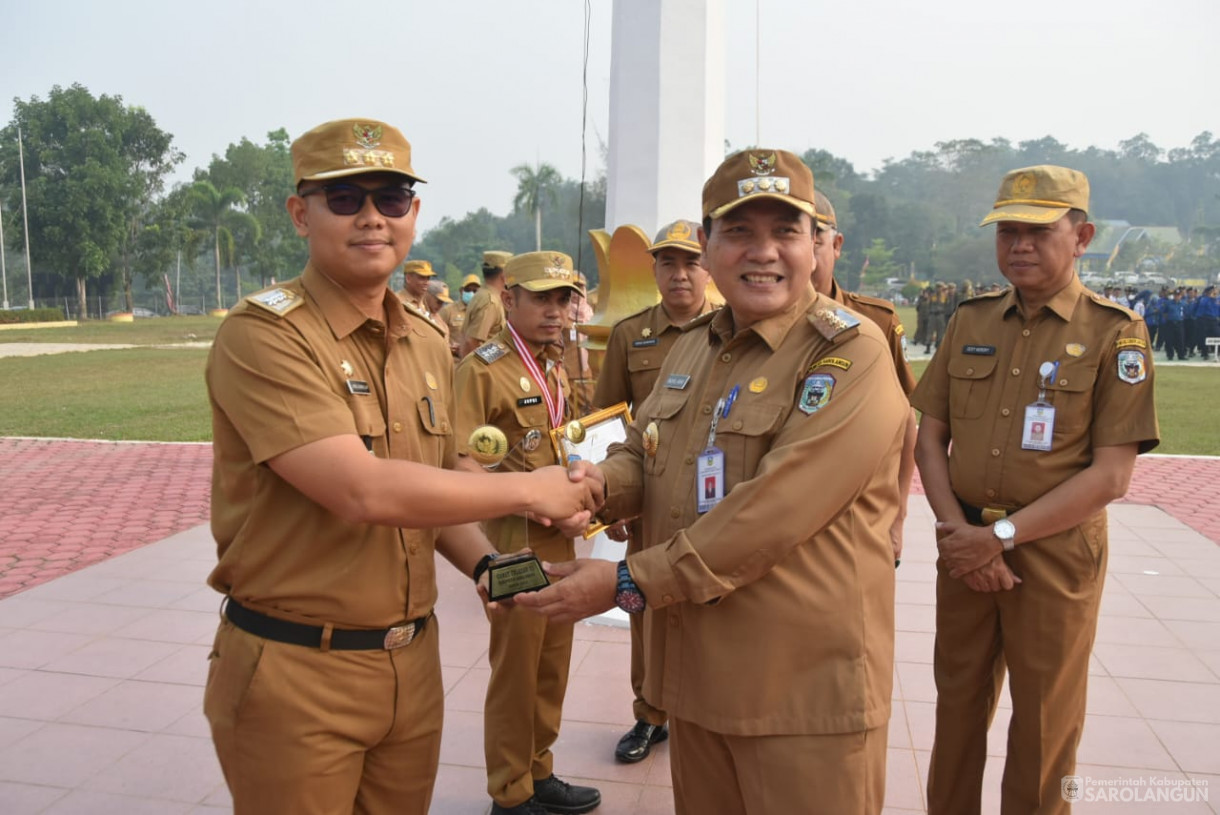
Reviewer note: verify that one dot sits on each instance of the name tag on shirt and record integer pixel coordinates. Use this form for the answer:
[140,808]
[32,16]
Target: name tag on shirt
[358,387]
[677,382]
[1039,427]
[529,400]
[979,350]
[644,343]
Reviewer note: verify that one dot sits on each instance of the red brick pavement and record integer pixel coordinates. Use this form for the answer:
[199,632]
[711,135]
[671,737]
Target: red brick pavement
[68,504]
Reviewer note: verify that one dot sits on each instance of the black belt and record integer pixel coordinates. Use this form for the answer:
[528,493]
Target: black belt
[982,516]
[341,639]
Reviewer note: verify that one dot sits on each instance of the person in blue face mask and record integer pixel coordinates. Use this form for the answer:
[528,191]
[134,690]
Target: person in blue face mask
[454,314]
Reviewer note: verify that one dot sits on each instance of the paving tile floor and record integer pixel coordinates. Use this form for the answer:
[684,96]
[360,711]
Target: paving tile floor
[101,675]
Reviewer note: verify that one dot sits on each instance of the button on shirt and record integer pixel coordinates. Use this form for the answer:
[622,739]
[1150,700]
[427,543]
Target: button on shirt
[774,612]
[982,396]
[279,382]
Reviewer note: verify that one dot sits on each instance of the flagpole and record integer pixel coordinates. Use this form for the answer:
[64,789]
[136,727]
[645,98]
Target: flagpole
[3,268]
[25,217]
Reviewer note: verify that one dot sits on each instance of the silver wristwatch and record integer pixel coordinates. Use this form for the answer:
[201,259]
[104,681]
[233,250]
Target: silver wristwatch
[1005,533]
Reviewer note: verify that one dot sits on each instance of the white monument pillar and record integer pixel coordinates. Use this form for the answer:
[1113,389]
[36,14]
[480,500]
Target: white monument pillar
[667,84]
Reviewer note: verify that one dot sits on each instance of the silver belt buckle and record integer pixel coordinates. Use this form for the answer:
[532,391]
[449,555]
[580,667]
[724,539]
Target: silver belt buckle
[398,636]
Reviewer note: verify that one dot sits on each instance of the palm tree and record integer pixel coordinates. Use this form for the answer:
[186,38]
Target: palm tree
[214,213]
[535,186]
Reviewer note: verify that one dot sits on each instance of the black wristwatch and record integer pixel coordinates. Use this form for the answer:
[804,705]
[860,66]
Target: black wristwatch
[627,595]
[482,565]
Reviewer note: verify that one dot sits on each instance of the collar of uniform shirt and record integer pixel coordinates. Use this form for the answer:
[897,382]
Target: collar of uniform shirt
[771,330]
[337,308]
[1062,304]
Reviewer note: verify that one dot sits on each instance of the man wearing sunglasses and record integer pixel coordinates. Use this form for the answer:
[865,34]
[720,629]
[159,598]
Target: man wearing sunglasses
[331,491]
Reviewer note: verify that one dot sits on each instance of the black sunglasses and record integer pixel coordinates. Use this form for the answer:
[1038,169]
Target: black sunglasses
[348,199]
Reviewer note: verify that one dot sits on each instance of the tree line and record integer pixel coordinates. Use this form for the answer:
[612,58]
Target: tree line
[104,226]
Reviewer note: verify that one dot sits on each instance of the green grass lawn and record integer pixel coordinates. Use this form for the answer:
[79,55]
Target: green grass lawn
[157,394]
[151,331]
[148,394]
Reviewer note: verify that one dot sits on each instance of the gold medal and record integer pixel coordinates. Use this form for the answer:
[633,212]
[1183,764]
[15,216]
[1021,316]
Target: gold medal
[525,384]
[488,445]
[574,431]
[652,439]
[430,380]
[758,385]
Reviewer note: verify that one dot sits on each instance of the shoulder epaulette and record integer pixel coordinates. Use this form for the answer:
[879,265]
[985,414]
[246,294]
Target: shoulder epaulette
[875,302]
[984,297]
[415,311]
[278,301]
[489,352]
[831,322]
[1106,302]
[702,319]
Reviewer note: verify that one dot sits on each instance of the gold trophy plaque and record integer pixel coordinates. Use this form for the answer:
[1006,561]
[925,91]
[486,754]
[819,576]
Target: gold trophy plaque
[514,574]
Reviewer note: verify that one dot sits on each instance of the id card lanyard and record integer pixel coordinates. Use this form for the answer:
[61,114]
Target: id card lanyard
[1039,427]
[709,481]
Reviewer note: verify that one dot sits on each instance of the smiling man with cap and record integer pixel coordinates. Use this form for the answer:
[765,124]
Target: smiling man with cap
[416,275]
[332,490]
[516,382]
[769,605]
[1034,409]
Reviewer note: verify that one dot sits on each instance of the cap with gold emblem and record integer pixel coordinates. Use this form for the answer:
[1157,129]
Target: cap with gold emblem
[753,174]
[1039,195]
[826,211]
[682,235]
[350,147]
[541,271]
[471,280]
[495,260]
[420,267]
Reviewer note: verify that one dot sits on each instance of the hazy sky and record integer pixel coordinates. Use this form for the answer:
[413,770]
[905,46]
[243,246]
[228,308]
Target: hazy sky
[483,85]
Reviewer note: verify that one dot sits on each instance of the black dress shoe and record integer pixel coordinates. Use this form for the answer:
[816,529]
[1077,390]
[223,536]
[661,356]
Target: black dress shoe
[554,795]
[637,744]
[530,807]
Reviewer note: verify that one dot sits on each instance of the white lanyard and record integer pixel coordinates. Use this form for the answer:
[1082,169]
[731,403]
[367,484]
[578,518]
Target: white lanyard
[554,406]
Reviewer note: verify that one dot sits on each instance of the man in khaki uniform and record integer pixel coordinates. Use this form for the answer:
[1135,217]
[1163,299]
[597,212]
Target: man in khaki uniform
[453,315]
[516,382]
[1044,392]
[330,414]
[416,274]
[769,617]
[827,250]
[634,352]
[485,314]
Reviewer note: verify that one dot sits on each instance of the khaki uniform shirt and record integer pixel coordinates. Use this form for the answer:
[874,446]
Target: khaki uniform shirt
[495,388]
[484,315]
[637,346]
[278,381]
[883,313]
[453,315]
[986,373]
[774,612]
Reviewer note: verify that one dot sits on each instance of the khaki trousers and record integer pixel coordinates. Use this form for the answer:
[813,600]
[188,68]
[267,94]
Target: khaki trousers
[839,774]
[530,658]
[1043,631]
[301,731]
[643,711]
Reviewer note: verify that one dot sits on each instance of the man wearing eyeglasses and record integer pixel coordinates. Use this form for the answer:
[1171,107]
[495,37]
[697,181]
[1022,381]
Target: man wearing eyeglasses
[332,439]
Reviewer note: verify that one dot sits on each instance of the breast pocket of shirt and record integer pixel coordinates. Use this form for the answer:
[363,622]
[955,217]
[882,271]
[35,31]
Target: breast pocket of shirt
[970,380]
[531,420]
[745,436]
[666,417]
[366,413]
[642,367]
[1072,395]
[434,419]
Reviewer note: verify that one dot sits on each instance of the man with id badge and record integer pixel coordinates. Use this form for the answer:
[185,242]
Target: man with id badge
[1034,409]
[764,465]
